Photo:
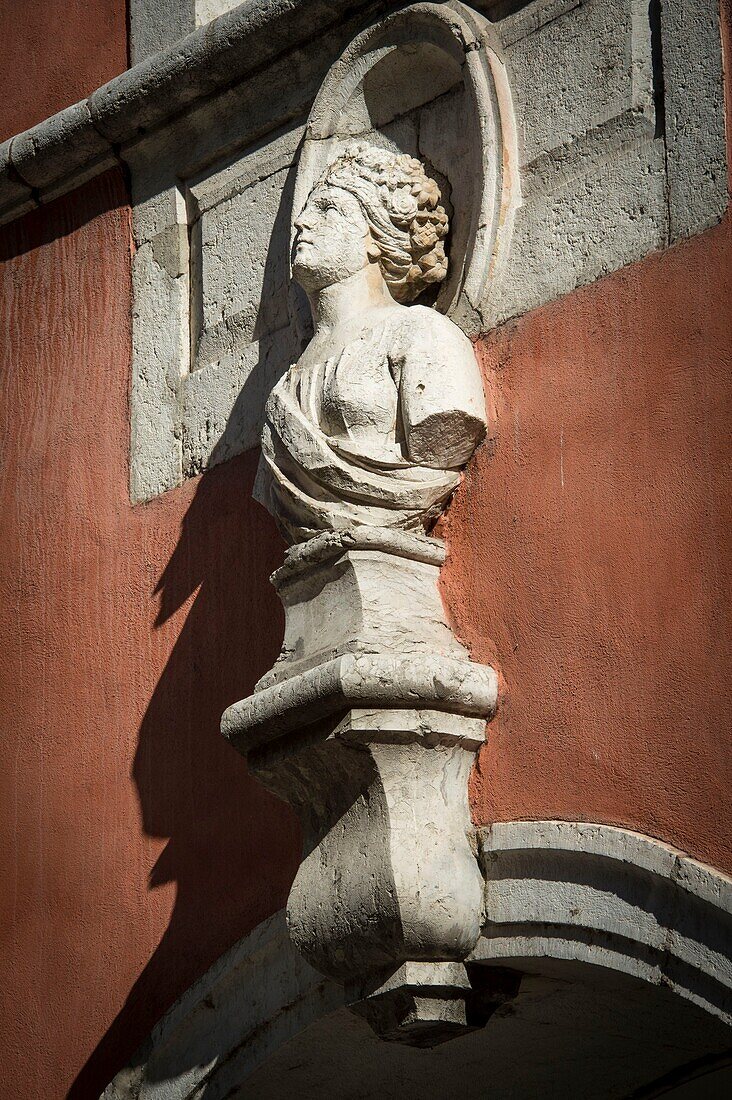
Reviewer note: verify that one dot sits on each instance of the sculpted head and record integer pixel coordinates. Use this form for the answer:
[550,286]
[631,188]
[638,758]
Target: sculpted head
[372,207]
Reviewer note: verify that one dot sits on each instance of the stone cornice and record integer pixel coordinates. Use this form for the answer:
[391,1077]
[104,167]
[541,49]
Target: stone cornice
[85,139]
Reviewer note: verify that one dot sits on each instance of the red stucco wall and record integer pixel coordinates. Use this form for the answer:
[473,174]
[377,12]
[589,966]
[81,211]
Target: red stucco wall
[54,54]
[591,552]
[135,847]
[589,558]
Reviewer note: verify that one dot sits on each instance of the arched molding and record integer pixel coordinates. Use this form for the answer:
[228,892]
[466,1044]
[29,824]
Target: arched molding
[618,914]
[607,897]
[439,66]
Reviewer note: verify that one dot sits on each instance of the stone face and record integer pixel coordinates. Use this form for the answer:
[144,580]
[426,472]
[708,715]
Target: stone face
[204,62]
[235,324]
[373,423]
[156,25]
[438,67]
[160,282]
[222,404]
[233,289]
[579,70]
[573,233]
[592,154]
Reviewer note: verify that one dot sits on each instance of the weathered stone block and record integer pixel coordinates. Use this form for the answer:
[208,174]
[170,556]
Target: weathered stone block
[241,269]
[580,70]
[578,230]
[694,115]
[222,403]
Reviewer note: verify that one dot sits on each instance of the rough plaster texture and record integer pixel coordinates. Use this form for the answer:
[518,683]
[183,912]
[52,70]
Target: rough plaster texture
[644,910]
[590,550]
[89,47]
[125,633]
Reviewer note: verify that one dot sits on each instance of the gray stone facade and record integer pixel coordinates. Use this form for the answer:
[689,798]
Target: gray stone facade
[611,168]
[620,150]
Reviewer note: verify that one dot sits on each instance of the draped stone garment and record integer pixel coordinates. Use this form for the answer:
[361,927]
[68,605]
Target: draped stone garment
[376,434]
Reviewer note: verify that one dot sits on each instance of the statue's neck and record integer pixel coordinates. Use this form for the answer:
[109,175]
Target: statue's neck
[338,304]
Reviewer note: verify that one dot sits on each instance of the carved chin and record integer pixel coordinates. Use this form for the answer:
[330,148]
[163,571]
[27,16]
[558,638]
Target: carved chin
[309,273]
[300,265]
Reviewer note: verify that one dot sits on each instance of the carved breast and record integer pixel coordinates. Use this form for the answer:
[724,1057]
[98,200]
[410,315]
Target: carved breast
[358,396]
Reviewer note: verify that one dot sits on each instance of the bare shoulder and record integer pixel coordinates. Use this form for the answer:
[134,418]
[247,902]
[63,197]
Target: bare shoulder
[420,326]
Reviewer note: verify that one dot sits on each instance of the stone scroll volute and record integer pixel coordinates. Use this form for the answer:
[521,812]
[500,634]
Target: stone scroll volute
[369,721]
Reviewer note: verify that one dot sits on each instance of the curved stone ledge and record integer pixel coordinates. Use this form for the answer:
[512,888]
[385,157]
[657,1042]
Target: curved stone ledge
[61,152]
[262,1015]
[608,897]
[363,679]
[83,140]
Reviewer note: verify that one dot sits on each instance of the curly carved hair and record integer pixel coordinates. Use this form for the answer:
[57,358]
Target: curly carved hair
[402,206]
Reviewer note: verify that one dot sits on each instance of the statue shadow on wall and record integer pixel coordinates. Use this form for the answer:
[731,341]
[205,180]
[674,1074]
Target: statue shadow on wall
[232,848]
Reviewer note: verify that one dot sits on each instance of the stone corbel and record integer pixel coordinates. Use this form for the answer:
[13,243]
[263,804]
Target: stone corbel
[368,725]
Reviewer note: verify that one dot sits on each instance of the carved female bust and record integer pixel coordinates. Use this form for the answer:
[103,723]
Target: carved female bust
[374,422]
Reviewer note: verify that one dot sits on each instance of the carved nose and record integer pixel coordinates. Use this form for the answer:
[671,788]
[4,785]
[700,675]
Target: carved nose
[303,221]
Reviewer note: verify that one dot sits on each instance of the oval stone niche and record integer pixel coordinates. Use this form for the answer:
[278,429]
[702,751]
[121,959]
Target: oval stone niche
[429,81]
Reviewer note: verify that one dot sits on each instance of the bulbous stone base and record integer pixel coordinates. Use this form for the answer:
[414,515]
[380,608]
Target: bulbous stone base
[368,725]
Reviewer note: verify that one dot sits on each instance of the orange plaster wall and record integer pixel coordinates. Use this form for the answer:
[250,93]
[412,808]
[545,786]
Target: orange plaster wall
[55,54]
[591,553]
[135,847]
[590,559]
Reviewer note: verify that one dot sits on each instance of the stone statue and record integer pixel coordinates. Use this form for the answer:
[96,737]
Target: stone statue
[369,720]
[374,422]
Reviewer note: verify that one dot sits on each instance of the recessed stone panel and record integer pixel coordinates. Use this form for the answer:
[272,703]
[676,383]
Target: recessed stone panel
[619,150]
[596,219]
[241,286]
[221,405]
[578,71]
